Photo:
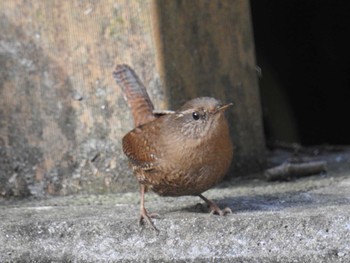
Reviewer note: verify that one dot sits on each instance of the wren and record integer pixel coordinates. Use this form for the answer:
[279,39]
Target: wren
[175,153]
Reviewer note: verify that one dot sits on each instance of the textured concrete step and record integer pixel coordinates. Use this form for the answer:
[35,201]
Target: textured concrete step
[307,220]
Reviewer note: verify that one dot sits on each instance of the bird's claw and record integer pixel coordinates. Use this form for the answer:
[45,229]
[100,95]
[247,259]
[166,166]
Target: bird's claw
[144,216]
[221,212]
[214,209]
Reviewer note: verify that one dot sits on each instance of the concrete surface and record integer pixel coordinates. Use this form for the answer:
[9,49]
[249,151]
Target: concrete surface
[306,220]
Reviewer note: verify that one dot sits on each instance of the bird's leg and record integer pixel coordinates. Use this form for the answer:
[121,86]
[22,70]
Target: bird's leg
[144,215]
[214,207]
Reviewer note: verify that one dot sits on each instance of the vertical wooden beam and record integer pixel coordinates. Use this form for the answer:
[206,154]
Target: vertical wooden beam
[205,48]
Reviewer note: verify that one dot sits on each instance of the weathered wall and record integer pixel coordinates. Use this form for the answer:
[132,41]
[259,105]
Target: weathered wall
[61,115]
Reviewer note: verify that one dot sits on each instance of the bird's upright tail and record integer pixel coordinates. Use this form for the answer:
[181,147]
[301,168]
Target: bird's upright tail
[135,93]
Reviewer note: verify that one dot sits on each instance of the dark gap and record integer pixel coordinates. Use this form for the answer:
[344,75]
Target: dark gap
[303,49]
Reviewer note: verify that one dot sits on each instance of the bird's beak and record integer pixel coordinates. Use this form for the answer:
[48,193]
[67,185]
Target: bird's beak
[223,107]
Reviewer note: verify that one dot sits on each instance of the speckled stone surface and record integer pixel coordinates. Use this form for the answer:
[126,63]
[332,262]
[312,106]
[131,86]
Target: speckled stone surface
[306,220]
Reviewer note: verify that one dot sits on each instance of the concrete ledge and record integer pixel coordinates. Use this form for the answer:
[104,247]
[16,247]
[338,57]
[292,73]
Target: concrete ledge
[307,220]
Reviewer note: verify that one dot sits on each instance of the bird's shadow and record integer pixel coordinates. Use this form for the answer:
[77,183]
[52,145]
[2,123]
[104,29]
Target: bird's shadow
[271,202]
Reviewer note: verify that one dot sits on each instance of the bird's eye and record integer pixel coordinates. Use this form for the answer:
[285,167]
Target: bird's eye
[195,115]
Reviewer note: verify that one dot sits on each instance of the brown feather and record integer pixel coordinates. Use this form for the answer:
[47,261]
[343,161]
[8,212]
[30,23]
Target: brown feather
[136,94]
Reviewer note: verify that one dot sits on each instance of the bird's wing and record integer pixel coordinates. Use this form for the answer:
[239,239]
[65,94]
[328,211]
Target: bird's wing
[139,149]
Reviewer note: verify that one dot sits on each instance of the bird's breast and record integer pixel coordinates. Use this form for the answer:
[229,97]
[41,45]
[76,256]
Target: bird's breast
[190,167]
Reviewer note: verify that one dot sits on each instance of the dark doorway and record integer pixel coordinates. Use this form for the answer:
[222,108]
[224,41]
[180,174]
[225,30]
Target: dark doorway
[303,50]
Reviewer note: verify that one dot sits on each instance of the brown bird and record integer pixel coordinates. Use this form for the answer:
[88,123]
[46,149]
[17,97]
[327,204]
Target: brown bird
[175,153]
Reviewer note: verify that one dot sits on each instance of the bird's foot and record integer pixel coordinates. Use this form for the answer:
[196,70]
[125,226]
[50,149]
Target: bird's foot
[215,209]
[221,212]
[145,216]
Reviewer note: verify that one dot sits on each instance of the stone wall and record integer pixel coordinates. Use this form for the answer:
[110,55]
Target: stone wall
[62,116]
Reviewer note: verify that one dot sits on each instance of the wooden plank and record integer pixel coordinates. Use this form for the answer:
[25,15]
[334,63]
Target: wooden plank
[205,48]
